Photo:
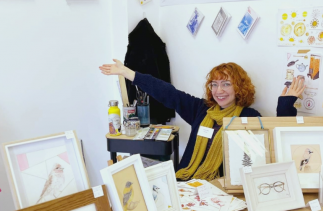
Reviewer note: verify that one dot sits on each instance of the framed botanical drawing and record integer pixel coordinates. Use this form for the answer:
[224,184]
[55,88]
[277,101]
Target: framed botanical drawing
[81,201]
[304,145]
[45,168]
[128,187]
[272,187]
[243,148]
[163,186]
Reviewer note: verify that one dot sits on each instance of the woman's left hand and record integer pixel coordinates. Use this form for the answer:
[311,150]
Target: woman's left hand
[296,88]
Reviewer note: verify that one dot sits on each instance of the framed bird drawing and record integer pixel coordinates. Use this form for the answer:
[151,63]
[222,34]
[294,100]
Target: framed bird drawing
[45,168]
[303,145]
[128,186]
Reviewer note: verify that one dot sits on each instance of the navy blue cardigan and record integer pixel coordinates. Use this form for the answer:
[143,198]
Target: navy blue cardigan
[193,110]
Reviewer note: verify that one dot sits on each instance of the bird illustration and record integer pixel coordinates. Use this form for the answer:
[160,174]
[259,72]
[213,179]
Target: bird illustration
[159,199]
[128,195]
[54,182]
[307,155]
[155,192]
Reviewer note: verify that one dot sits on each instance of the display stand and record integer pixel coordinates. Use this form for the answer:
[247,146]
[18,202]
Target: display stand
[270,123]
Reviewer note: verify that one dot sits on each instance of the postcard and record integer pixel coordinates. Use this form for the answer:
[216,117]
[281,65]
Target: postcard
[247,22]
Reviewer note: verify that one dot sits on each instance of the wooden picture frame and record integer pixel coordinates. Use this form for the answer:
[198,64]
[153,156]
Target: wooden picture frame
[240,155]
[128,185]
[163,185]
[272,187]
[303,145]
[32,164]
[75,201]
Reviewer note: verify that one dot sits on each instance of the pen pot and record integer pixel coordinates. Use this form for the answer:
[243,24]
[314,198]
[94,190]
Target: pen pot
[143,113]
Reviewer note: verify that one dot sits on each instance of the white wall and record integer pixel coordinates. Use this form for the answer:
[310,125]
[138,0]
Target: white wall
[50,82]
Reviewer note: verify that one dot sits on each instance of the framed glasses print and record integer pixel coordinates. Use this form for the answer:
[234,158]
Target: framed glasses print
[45,168]
[303,145]
[243,148]
[272,187]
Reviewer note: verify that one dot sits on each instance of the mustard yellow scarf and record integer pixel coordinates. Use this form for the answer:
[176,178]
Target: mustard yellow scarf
[209,169]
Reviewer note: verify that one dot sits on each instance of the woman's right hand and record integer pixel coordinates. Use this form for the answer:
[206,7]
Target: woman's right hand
[117,69]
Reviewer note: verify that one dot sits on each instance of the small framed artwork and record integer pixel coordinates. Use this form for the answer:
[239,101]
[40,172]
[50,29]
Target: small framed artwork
[243,148]
[45,168]
[128,187]
[163,186]
[304,146]
[220,22]
[195,22]
[247,22]
[81,201]
[272,187]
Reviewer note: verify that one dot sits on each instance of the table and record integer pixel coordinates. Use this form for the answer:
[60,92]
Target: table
[126,144]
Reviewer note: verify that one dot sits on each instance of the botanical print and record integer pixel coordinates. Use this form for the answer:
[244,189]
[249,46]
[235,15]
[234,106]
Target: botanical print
[161,193]
[300,27]
[307,158]
[303,66]
[47,173]
[195,21]
[129,191]
[238,158]
[271,188]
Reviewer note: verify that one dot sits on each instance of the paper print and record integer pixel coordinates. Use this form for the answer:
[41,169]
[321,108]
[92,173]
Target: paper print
[129,191]
[307,67]
[247,22]
[238,160]
[271,188]
[161,193]
[307,158]
[195,22]
[47,173]
[220,22]
[300,27]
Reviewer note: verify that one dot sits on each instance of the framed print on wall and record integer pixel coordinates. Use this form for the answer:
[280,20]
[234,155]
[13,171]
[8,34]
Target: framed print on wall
[220,21]
[128,187]
[243,148]
[163,185]
[195,22]
[81,201]
[272,187]
[45,168]
[303,145]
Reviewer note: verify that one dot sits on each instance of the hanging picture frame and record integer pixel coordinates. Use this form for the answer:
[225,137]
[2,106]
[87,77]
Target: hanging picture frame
[304,146]
[32,165]
[195,21]
[163,185]
[128,185]
[220,22]
[272,187]
[84,200]
[238,152]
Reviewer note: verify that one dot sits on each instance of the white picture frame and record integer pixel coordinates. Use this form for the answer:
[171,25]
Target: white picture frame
[125,176]
[31,165]
[320,198]
[220,22]
[272,187]
[287,139]
[164,195]
[246,24]
[195,22]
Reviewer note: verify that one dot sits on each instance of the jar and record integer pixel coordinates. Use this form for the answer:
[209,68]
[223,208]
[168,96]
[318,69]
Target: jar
[132,125]
[114,118]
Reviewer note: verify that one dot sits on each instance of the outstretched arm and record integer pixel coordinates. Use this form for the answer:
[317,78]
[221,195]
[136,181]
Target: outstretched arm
[117,69]
[288,97]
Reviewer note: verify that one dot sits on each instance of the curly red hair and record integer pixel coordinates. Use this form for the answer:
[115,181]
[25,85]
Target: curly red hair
[243,88]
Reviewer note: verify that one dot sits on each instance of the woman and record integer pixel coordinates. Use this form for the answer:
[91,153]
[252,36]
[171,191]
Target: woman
[229,92]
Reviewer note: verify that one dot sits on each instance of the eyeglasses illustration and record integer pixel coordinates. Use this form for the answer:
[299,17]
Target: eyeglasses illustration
[265,187]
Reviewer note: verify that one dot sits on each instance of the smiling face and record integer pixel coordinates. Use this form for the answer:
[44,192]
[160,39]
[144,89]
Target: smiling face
[223,92]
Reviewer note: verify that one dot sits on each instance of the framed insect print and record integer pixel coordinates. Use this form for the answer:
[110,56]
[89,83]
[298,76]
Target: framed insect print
[242,148]
[45,168]
[303,145]
[272,187]
[128,187]
[163,186]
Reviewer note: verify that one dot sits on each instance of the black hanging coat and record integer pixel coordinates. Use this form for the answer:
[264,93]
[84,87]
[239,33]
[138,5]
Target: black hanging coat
[147,54]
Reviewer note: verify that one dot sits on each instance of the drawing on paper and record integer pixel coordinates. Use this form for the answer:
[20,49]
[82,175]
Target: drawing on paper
[219,21]
[289,74]
[246,160]
[161,193]
[272,187]
[309,103]
[46,175]
[307,158]
[245,23]
[195,22]
[129,191]
[314,23]
[299,29]
[314,67]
